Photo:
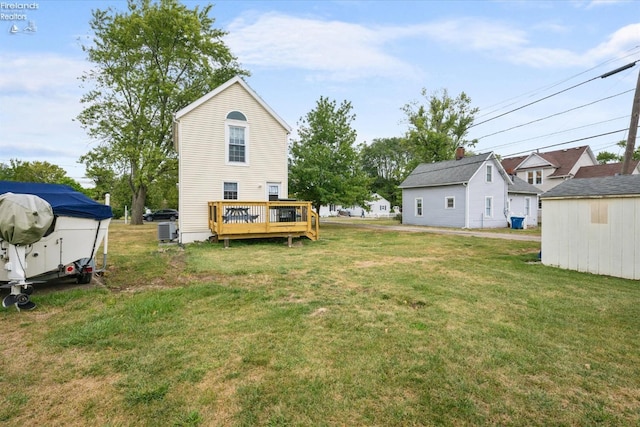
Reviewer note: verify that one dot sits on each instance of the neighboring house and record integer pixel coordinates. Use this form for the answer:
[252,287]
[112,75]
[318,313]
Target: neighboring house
[591,225]
[379,207]
[546,170]
[608,169]
[523,201]
[231,146]
[469,192]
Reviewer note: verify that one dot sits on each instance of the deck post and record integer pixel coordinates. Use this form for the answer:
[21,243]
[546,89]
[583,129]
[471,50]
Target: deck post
[226,243]
[289,241]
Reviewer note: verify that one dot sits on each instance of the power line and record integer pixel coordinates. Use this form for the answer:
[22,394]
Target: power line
[544,88]
[553,133]
[568,142]
[602,76]
[556,114]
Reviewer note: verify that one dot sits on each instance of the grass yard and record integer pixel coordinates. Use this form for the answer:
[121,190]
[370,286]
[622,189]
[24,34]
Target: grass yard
[363,327]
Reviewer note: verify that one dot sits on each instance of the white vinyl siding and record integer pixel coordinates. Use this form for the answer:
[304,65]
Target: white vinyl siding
[593,235]
[434,211]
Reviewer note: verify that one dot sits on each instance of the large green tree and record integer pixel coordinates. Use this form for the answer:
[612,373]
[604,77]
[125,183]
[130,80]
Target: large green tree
[37,171]
[604,157]
[386,161]
[324,164]
[149,62]
[439,126]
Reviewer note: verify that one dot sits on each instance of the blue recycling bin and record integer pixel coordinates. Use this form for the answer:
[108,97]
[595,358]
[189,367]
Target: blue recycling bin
[517,222]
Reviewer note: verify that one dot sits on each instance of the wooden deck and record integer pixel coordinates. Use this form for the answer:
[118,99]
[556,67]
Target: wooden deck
[252,220]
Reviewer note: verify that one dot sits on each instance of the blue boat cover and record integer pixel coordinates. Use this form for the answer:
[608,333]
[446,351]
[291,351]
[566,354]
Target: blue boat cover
[64,200]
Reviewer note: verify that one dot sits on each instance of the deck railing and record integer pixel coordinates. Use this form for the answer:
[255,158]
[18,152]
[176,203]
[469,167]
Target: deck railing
[247,220]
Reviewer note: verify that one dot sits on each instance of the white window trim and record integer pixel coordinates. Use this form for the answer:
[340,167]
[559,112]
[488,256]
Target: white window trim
[237,189]
[527,206]
[274,184]
[490,199]
[488,174]
[534,176]
[240,124]
[419,199]
[446,200]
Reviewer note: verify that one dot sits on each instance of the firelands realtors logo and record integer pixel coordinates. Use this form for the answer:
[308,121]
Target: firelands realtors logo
[18,17]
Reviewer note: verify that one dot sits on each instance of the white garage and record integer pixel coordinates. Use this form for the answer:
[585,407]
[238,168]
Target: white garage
[593,225]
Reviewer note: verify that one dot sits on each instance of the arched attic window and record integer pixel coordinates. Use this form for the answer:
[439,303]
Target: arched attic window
[237,137]
[236,115]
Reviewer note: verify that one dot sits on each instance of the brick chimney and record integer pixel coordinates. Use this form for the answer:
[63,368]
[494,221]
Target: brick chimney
[459,153]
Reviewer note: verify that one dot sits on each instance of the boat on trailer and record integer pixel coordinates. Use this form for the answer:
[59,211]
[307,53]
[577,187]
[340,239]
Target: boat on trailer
[47,232]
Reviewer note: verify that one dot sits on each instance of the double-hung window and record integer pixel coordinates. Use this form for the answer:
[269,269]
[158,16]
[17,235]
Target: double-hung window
[488,206]
[237,147]
[419,206]
[237,137]
[534,177]
[449,202]
[489,175]
[230,191]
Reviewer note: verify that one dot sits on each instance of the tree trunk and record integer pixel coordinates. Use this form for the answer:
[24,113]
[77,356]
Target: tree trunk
[137,204]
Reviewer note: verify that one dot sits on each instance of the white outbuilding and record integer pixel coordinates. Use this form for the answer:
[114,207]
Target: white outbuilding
[593,225]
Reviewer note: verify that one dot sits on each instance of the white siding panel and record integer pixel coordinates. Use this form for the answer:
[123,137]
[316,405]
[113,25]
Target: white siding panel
[434,212]
[517,207]
[479,189]
[580,220]
[600,236]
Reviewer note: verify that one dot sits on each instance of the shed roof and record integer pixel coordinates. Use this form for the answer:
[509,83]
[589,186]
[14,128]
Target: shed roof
[447,172]
[621,185]
[521,186]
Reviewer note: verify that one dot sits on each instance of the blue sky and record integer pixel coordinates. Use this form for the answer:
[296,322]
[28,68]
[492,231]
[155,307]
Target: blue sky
[376,54]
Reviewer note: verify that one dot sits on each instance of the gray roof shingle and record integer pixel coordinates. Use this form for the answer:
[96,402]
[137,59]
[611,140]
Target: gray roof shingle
[521,186]
[621,185]
[447,172]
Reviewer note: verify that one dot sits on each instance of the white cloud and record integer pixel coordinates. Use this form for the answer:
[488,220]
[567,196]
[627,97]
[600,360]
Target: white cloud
[35,72]
[618,45]
[475,34]
[39,99]
[337,49]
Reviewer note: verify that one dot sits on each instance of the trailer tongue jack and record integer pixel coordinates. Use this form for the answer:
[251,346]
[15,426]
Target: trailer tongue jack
[20,288]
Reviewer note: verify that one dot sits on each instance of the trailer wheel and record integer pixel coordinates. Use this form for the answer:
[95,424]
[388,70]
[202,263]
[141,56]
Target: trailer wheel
[84,278]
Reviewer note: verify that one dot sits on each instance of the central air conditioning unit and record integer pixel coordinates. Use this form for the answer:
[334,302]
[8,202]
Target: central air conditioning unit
[167,231]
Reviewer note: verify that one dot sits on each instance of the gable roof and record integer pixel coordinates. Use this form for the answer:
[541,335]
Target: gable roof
[563,160]
[608,169]
[621,185]
[236,80]
[520,186]
[448,172]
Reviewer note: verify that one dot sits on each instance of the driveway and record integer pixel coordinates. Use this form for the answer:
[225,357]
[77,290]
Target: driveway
[417,229]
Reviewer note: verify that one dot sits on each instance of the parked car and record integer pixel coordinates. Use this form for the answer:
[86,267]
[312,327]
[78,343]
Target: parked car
[162,214]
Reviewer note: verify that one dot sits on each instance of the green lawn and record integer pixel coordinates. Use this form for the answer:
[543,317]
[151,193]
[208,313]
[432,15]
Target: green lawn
[363,327]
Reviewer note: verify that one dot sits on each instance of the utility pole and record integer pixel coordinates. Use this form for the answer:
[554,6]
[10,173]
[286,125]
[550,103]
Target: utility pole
[633,128]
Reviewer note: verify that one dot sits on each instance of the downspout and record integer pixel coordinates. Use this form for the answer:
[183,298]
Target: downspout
[176,146]
[466,204]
